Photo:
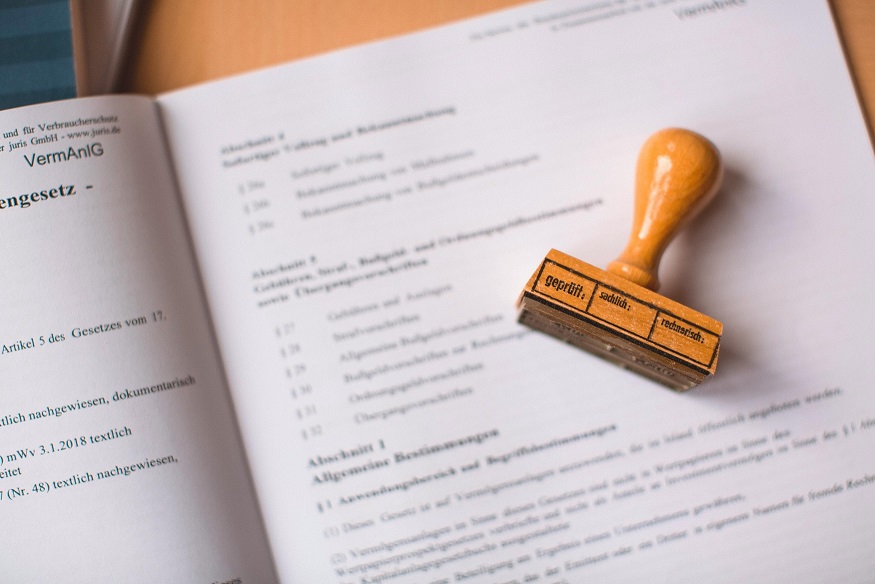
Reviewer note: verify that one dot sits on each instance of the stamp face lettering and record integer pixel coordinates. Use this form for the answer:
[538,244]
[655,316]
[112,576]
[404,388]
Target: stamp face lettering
[565,286]
[587,292]
[622,311]
[682,337]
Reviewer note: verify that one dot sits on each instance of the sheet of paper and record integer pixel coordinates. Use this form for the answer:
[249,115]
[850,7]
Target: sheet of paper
[120,460]
[364,222]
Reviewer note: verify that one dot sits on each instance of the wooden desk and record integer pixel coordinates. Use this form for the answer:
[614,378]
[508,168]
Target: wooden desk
[188,41]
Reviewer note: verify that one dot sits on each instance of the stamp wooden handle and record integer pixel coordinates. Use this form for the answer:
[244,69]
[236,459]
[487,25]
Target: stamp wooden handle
[678,172]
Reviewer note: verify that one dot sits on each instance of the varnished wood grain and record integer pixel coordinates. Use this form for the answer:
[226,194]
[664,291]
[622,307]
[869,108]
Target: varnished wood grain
[183,42]
[678,173]
[622,322]
[856,23]
[617,314]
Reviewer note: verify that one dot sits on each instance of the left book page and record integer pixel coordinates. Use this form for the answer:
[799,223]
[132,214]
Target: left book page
[120,459]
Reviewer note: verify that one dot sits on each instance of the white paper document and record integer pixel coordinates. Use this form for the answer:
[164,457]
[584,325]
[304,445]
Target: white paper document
[366,407]
[119,455]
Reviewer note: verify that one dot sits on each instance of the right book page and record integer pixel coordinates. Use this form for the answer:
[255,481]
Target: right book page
[365,220]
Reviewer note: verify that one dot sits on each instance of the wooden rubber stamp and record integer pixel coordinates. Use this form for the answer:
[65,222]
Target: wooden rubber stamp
[617,313]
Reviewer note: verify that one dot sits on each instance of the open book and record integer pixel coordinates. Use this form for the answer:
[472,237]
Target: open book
[263,330]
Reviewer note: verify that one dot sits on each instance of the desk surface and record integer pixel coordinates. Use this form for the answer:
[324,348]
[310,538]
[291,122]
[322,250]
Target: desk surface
[182,43]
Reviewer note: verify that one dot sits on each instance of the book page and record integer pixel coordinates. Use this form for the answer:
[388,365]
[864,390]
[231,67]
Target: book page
[120,460]
[366,220]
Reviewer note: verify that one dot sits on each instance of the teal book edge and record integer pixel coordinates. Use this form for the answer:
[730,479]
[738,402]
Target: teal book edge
[36,52]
